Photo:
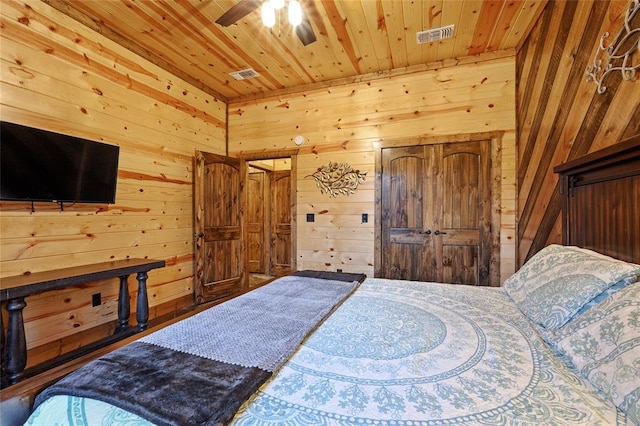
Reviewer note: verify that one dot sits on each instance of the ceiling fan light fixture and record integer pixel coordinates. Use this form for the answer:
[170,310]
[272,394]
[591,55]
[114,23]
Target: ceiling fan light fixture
[268,14]
[295,13]
[277,4]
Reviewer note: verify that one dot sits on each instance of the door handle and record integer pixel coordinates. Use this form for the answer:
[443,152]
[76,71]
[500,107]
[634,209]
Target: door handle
[200,234]
[428,232]
[437,232]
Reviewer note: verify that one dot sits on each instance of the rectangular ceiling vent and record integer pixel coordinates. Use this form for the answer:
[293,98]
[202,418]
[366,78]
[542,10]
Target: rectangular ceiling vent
[435,34]
[244,74]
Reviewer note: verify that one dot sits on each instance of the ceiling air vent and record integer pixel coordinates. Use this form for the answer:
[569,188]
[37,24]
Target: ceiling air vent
[244,74]
[435,34]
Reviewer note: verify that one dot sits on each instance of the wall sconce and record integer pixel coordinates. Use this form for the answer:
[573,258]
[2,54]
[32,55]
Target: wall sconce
[618,55]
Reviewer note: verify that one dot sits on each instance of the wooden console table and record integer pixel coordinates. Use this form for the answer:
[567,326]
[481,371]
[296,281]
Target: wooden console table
[13,291]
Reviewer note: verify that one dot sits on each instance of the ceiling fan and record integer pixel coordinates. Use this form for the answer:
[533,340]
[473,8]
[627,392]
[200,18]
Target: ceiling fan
[304,31]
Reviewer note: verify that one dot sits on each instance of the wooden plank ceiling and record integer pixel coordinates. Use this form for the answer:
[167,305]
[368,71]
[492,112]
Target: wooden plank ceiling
[355,38]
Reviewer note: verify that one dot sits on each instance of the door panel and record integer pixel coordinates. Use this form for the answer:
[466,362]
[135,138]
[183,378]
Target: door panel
[404,214]
[281,219]
[459,264]
[466,202]
[256,222]
[436,213]
[219,206]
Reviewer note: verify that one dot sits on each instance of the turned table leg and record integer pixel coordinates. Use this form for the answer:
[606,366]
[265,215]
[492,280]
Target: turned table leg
[142,306]
[15,355]
[124,309]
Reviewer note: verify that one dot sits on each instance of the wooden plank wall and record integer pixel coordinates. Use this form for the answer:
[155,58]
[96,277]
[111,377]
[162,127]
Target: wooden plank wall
[61,76]
[560,115]
[348,123]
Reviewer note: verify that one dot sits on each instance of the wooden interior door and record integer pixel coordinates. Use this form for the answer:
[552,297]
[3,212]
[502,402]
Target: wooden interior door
[406,248]
[281,222]
[257,250]
[436,213]
[462,212]
[219,183]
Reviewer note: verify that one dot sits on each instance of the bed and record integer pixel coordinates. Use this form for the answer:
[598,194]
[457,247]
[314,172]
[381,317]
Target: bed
[557,344]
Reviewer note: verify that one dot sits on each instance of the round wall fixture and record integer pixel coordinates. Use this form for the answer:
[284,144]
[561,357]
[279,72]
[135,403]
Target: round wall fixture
[298,140]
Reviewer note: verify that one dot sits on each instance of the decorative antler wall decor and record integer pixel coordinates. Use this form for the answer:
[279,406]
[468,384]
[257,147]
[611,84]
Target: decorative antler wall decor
[618,54]
[337,178]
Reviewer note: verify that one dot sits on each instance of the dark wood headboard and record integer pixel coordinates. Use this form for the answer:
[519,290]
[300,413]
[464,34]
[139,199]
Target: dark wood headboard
[601,200]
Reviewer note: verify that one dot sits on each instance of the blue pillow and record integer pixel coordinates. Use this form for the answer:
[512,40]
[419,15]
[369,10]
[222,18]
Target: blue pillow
[558,281]
[603,346]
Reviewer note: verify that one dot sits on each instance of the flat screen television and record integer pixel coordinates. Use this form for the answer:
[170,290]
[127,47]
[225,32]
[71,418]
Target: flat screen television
[38,165]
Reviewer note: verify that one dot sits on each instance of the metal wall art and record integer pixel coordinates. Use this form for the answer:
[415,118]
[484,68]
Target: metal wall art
[618,54]
[337,178]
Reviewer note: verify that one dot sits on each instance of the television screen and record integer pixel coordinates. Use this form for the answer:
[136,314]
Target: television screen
[38,165]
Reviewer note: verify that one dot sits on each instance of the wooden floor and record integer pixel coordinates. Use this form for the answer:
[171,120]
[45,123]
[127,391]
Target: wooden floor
[257,279]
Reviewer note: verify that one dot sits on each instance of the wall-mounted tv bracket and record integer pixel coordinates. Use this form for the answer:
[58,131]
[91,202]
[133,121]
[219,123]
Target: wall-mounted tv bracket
[59,203]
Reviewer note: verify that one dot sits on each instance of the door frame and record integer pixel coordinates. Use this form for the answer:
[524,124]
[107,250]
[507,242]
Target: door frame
[496,168]
[293,155]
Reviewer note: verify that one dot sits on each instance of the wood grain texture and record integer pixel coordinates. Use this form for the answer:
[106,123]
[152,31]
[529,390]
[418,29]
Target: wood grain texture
[350,123]
[600,194]
[281,253]
[220,226]
[257,251]
[61,76]
[437,213]
[562,117]
[355,38]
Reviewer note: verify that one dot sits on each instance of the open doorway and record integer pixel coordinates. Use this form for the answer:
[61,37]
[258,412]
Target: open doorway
[270,217]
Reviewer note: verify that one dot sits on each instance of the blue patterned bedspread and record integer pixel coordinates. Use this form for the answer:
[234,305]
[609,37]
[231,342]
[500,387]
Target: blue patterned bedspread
[406,353]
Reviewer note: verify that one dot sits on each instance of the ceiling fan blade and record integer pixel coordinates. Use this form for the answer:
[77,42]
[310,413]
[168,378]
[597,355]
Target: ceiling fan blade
[237,12]
[305,31]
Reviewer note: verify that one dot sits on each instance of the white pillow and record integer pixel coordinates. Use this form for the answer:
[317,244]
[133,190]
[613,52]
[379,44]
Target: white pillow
[558,281]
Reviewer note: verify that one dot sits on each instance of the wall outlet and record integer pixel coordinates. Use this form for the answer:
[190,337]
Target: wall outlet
[339,270]
[311,217]
[365,217]
[96,299]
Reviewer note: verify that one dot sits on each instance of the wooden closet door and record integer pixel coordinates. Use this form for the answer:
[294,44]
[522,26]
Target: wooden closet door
[405,217]
[462,212]
[436,213]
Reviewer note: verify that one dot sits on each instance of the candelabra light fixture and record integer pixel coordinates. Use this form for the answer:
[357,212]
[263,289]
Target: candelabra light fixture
[271,8]
[618,56]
